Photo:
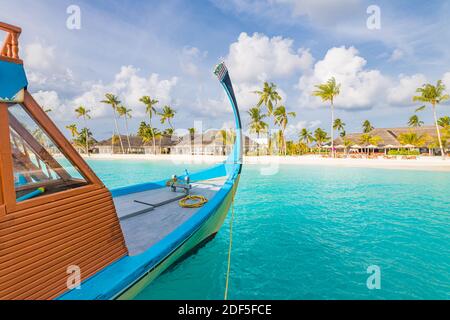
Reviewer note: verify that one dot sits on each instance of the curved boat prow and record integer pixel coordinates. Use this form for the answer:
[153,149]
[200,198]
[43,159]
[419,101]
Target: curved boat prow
[236,157]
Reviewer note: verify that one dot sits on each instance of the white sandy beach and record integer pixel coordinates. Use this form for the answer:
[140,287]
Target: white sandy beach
[421,163]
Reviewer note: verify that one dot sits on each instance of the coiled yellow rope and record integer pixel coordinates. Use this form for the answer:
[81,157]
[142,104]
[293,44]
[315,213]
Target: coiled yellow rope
[186,202]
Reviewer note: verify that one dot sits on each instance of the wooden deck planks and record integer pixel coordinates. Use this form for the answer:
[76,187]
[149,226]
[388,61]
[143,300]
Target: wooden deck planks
[143,231]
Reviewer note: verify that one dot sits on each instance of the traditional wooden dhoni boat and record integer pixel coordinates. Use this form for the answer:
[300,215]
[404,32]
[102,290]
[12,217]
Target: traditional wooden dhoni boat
[58,221]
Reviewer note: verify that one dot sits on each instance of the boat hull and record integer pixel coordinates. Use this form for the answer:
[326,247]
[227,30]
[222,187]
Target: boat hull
[206,232]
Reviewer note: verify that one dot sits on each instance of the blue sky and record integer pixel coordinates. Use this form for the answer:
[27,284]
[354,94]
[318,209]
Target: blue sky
[167,49]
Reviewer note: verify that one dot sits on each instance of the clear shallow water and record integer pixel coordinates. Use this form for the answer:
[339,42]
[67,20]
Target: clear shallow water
[311,232]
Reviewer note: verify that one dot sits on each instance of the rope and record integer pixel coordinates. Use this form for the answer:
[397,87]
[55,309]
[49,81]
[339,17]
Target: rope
[201,200]
[229,250]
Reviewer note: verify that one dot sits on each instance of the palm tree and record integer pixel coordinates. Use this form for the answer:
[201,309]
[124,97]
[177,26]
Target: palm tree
[192,135]
[282,119]
[83,137]
[122,111]
[417,140]
[339,125]
[167,114]
[327,92]
[84,113]
[347,144]
[367,126]
[306,136]
[367,139]
[150,110]
[169,132]
[158,135]
[321,137]
[269,97]
[257,125]
[73,130]
[444,122]
[227,138]
[433,95]
[148,134]
[415,122]
[114,101]
[145,133]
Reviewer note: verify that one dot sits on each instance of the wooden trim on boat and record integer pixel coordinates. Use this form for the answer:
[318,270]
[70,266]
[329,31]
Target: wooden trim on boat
[37,244]
[54,133]
[9,27]
[6,165]
[2,211]
[10,49]
[41,237]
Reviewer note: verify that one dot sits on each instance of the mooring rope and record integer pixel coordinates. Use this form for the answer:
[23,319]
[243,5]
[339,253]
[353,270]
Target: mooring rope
[229,250]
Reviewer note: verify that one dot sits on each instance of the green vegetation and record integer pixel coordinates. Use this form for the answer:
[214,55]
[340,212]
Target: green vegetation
[412,138]
[321,137]
[122,111]
[282,119]
[277,114]
[367,126]
[84,113]
[257,125]
[328,92]
[415,122]
[404,152]
[167,114]
[114,102]
[150,110]
[433,95]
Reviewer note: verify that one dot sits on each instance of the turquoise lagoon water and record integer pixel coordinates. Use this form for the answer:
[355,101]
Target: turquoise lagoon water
[311,232]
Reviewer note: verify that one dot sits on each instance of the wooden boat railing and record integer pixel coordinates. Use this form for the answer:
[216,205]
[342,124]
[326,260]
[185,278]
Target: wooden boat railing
[10,49]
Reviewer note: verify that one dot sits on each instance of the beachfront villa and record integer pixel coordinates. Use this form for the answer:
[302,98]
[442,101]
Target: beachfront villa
[211,142]
[163,145]
[390,140]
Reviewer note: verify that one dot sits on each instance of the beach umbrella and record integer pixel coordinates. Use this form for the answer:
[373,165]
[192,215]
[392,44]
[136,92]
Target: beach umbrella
[409,146]
[356,146]
[340,146]
[371,146]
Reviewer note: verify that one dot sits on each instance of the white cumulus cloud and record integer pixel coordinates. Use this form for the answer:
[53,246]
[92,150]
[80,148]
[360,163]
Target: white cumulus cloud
[397,54]
[360,87]
[44,69]
[47,99]
[128,85]
[257,58]
[402,92]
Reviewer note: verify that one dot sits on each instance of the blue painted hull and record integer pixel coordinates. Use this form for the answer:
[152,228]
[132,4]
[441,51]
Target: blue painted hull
[125,278]
[206,232]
